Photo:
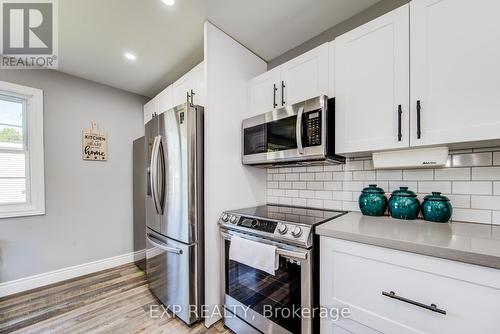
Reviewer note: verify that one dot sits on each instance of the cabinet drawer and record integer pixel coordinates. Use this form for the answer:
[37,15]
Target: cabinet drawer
[355,275]
[344,326]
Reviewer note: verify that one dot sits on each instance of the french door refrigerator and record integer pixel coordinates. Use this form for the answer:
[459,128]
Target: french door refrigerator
[174,210]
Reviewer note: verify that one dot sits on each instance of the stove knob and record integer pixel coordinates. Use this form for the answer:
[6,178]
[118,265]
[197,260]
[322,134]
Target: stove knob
[282,229]
[225,217]
[255,223]
[297,231]
[232,220]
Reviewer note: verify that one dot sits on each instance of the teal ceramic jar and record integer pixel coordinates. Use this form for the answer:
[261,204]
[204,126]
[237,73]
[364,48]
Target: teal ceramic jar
[372,201]
[437,208]
[404,204]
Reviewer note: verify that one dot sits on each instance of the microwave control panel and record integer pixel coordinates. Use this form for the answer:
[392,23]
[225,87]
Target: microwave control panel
[312,128]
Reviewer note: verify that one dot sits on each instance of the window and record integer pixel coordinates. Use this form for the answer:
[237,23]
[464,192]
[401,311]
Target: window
[21,151]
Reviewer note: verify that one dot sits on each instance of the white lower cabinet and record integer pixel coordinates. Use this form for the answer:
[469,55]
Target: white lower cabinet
[356,275]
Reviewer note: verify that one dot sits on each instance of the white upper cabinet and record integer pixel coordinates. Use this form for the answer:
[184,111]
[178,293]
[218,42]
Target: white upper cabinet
[190,83]
[150,109]
[331,69]
[372,85]
[305,77]
[165,101]
[297,80]
[455,74]
[263,92]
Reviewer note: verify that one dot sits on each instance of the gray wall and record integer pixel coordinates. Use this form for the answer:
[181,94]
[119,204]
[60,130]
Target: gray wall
[368,14]
[88,204]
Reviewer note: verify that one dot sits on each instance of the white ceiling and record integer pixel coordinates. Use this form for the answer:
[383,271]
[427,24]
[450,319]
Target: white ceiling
[168,41]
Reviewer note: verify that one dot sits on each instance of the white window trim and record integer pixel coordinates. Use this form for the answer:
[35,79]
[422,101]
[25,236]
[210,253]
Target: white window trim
[35,204]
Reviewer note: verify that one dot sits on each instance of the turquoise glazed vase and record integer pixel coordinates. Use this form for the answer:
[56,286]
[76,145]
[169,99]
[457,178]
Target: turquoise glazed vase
[437,208]
[372,201]
[404,204]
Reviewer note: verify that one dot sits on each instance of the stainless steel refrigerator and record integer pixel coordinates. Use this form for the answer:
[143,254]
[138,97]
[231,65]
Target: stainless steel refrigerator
[174,210]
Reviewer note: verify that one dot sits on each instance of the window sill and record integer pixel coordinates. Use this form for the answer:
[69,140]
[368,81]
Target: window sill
[20,212]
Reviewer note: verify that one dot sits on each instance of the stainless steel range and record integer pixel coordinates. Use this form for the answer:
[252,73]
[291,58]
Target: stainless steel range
[256,301]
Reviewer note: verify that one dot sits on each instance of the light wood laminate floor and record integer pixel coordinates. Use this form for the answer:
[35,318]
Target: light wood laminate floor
[112,301]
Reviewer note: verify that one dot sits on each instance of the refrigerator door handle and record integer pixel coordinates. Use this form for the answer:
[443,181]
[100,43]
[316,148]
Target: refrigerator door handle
[163,246]
[156,178]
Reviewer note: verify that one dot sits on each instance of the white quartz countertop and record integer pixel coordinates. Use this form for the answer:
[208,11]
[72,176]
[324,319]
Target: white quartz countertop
[466,242]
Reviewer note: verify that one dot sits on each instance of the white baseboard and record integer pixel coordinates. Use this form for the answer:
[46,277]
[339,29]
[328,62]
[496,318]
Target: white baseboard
[36,281]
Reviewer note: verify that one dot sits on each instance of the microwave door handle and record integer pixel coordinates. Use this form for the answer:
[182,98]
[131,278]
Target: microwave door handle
[298,130]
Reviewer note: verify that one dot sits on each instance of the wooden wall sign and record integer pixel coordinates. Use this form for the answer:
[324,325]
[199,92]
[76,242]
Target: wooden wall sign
[94,144]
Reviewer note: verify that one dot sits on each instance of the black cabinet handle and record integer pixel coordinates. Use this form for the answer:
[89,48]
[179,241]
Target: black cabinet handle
[400,113]
[274,96]
[283,93]
[419,130]
[431,307]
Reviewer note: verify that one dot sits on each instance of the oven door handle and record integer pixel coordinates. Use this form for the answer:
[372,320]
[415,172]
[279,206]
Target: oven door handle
[280,251]
[298,130]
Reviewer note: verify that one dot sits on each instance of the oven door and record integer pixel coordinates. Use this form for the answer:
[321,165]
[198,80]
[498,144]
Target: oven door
[270,304]
[293,133]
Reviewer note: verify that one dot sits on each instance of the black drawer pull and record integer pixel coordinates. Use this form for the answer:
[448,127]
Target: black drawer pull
[400,113]
[431,307]
[283,93]
[419,127]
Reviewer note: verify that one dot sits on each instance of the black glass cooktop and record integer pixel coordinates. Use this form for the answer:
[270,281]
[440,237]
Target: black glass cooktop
[291,214]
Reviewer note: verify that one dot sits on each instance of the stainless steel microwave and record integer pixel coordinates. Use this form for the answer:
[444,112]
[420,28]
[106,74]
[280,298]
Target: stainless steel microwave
[299,134]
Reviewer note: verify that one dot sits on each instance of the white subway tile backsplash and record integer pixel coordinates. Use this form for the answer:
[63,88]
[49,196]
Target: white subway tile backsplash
[332,168]
[353,186]
[315,203]
[322,194]
[315,185]
[363,175]
[427,187]
[418,174]
[292,193]
[272,185]
[306,193]
[453,174]
[342,176]
[459,201]
[389,175]
[324,176]
[306,177]
[496,218]
[299,202]
[485,202]
[472,188]
[285,185]
[285,201]
[279,177]
[472,216]
[332,185]
[314,169]
[496,188]
[486,173]
[473,191]
[299,185]
[333,205]
[350,206]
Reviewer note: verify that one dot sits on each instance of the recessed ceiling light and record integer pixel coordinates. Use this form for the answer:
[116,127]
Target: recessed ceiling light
[169,2]
[130,56]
